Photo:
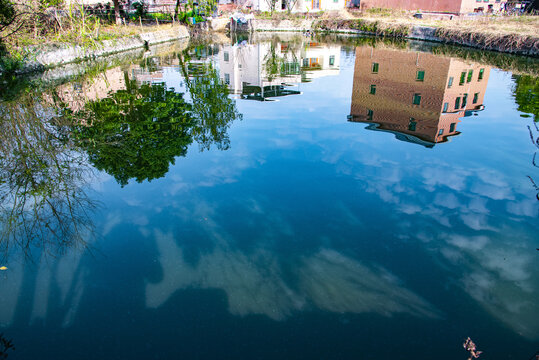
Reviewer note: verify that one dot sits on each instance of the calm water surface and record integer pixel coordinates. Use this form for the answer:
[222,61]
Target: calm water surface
[341,202]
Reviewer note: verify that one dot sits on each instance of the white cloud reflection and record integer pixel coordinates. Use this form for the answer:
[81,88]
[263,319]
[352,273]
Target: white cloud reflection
[255,284]
[487,247]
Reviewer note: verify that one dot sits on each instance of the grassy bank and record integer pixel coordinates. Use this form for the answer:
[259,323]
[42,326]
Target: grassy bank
[494,25]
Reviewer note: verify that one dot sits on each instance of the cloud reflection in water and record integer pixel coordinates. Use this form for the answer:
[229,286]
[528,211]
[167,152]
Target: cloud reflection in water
[255,284]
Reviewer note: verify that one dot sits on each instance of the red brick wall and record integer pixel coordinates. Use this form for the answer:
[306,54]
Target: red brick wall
[452,6]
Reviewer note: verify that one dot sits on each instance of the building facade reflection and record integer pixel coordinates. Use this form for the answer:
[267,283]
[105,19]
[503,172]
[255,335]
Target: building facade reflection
[273,69]
[418,96]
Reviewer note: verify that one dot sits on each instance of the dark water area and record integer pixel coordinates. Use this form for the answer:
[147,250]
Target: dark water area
[279,198]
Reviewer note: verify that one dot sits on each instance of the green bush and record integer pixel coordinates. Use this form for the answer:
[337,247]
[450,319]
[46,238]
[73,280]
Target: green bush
[140,9]
[160,16]
[10,64]
[7,12]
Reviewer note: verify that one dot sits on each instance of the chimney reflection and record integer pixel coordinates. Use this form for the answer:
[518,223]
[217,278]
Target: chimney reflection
[417,96]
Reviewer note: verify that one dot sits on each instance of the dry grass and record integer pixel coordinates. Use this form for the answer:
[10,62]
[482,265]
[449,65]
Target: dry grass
[488,25]
[106,32]
[514,34]
[495,25]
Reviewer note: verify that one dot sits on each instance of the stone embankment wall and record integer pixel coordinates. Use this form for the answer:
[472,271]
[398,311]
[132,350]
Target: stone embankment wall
[47,56]
[283,25]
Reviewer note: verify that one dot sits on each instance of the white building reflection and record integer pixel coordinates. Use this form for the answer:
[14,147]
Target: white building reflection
[272,69]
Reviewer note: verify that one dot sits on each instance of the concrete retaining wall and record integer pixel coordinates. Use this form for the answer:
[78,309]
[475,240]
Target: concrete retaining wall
[423,33]
[284,25]
[219,24]
[43,57]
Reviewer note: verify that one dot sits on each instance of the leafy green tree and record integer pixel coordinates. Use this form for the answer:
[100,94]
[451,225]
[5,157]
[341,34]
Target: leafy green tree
[7,13]
[526,92]
[7,16]
[136,132]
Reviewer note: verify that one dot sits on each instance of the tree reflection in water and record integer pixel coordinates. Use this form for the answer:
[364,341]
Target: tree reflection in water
[212,109]
[5,346]
[135,132]
[526,93]
[43,201]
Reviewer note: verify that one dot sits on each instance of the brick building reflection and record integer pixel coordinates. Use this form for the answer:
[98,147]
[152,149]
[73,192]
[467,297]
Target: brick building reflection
[417,96]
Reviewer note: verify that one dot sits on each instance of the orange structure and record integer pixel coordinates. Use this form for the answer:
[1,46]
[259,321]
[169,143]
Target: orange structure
[418,96]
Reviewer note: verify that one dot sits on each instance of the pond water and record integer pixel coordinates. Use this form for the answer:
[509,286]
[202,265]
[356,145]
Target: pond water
[280,198]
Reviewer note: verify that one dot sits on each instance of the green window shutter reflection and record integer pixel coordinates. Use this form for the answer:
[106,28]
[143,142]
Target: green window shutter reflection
[417,99]
[462,78]
[420,76]
[412,124]
[481,72]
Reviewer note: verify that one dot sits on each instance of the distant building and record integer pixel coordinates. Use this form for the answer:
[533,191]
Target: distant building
[417,96]
[444,6]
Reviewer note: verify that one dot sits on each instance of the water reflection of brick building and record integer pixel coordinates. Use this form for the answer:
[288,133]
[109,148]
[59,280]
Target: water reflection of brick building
[417,96]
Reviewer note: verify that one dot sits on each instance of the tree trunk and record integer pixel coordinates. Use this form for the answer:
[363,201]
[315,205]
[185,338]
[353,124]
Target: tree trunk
[117,12]
[177,9]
